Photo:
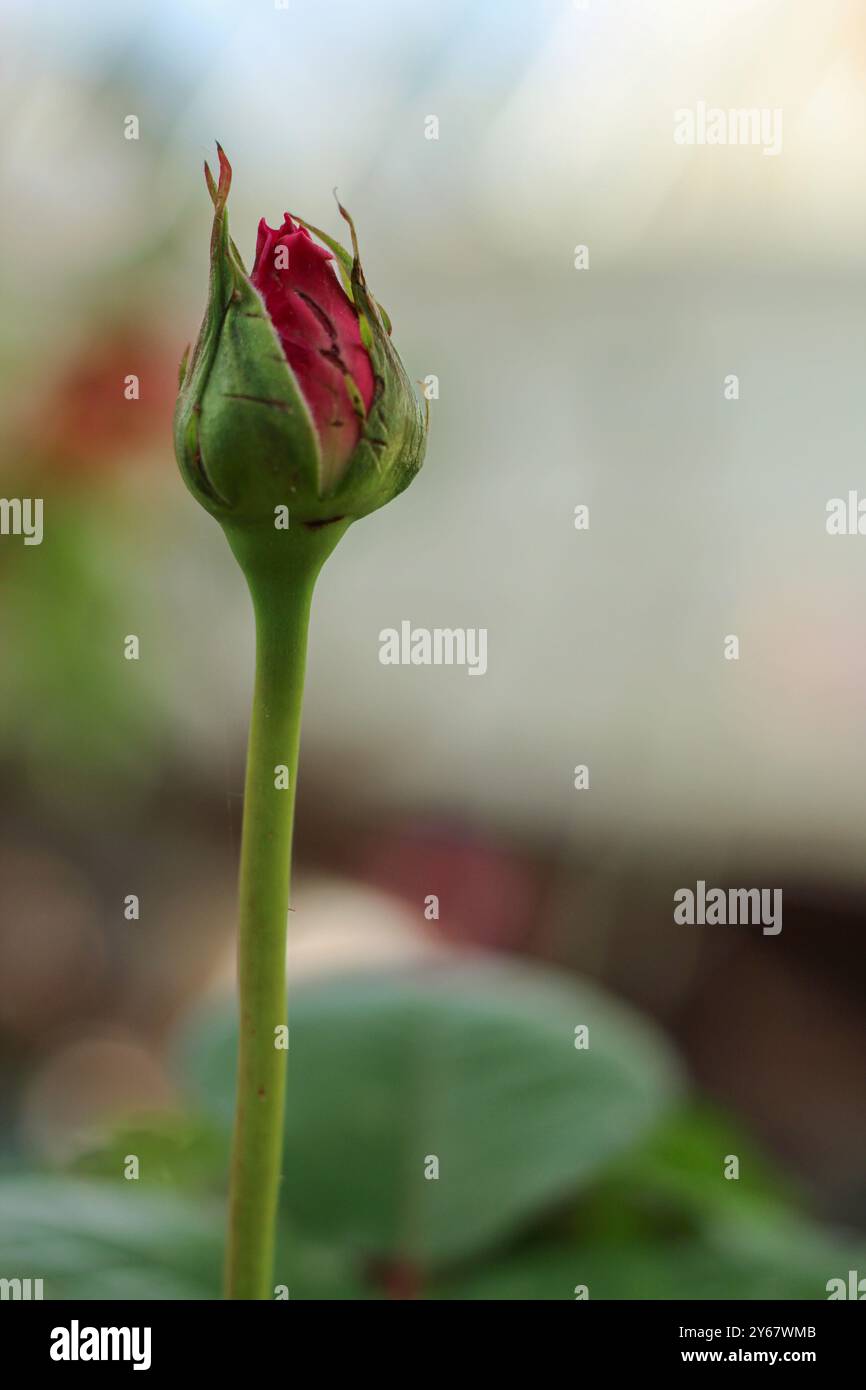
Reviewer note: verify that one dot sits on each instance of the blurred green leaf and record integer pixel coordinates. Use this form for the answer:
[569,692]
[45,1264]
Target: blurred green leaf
[674,1180]
[692,1268]
[93,1240]
[315,1273]
[473,1064]
[183,1152]
[104,720]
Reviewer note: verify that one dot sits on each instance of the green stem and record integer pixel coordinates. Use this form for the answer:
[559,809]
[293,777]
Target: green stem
[281,573]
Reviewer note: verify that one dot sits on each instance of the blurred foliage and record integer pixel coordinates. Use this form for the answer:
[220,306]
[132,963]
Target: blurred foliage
[99,1240]
[185,1154]
[559,1167]
[67,626]
[473,1064]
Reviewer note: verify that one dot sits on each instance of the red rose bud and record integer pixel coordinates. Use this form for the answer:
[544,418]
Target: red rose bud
[320,332]
[294,396]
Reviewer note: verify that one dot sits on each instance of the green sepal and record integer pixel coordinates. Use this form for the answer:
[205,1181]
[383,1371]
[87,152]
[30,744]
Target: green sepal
[181,371]
[240,413]
[345,266]
[245,438]
[391,448]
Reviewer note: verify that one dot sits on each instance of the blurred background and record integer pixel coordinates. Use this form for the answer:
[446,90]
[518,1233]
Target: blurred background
[451,1037]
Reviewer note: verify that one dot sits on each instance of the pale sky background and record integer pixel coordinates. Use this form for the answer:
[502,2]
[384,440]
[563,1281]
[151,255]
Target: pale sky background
[557,386]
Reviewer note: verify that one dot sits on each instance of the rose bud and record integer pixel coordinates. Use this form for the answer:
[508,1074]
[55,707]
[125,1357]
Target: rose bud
[294,396]
[295,417]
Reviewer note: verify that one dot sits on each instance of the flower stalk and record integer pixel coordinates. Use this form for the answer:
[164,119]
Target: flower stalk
[294,418]
[282,611]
